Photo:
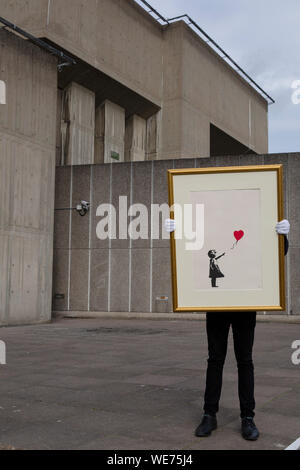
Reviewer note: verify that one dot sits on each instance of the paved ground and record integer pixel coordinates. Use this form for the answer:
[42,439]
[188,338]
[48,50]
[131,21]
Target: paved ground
[137,384]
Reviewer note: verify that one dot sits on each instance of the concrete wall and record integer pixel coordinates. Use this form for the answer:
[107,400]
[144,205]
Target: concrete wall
[27,175]
[212,93]
[124,275]
[169,66]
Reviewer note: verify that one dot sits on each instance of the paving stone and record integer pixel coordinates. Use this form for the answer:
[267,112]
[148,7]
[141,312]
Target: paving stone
[93,384]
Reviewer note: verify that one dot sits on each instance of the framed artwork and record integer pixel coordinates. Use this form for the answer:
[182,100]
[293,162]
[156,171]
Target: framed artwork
[225,252]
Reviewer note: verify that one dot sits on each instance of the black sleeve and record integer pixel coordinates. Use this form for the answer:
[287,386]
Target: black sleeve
[286,245]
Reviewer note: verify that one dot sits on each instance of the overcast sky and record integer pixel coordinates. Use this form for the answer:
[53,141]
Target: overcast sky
[263,37]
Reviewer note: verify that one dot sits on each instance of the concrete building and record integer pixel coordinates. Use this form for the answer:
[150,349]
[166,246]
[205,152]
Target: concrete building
[134,92]
[27,177]
[126,58]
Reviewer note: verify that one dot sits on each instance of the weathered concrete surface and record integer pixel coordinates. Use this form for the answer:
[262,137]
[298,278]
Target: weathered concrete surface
[27,177]
[138,384]
[147,263]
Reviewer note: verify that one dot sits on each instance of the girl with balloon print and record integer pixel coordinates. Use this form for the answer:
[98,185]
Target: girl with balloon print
[214,269]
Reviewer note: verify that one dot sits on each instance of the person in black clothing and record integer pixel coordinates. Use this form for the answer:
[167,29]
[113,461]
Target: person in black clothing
[243,327]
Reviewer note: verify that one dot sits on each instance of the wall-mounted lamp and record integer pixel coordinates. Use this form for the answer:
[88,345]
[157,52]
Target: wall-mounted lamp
[82,208]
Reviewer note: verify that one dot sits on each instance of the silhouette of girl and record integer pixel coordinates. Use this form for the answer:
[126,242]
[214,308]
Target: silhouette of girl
[214,270]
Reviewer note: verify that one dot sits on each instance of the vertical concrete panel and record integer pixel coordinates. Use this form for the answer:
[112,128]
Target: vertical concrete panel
[45,279]
[119,283]
[25,80]
[24,269]
[27,140]
[152,136]
[160,197]
[79,110]
[47,188]
[59,127]
[135,139]
[60,279]
[110,133]
[62,187]
[121,186]
[5,181]
[4,278]
[81,192]
[99,280]
[161,278]
[100,133]
[62,201]
[27,183]
[79,280]
[141,194]
[100,195]
[61,230]
[294,198]
[295,275]
[294,237]
[44,100]
[140,280]
[286,162]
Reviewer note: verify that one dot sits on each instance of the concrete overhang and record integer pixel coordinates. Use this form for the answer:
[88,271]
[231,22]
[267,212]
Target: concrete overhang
[105,88]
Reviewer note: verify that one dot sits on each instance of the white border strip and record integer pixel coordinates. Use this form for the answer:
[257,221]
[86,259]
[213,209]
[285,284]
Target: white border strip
[294,446]
[2,92]
[130,243]
[70,237]
[151,240]
[90,237]
[109,244]
[48,12]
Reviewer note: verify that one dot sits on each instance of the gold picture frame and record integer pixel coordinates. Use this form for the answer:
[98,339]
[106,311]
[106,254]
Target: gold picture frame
[271,193]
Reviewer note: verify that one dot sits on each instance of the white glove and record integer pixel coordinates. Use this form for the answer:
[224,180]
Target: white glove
[170,225]
[283,227]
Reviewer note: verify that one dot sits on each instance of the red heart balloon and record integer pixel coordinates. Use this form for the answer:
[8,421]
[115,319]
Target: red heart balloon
[239,235]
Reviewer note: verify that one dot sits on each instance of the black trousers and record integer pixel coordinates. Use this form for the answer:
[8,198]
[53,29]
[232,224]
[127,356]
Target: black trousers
[217,327]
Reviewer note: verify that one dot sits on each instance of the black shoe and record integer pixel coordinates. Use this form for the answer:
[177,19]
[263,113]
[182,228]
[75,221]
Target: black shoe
[249,430]
[207,425]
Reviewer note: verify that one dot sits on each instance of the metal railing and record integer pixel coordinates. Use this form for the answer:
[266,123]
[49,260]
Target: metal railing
[152,11]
